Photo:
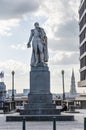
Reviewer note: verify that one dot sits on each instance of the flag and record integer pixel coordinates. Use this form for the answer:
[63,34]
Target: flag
[2,75]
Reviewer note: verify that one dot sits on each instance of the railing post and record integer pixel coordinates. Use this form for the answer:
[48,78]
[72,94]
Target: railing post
[84,123]
[54,123]
[23,123]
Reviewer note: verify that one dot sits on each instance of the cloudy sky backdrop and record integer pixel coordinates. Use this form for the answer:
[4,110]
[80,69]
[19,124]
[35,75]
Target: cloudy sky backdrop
[59,18]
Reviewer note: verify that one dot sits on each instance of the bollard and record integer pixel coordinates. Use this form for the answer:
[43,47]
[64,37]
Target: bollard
[84,123]
[23,123]
[54,123]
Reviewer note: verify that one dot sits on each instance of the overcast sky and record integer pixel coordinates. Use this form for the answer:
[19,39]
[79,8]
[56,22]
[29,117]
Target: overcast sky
[59,18]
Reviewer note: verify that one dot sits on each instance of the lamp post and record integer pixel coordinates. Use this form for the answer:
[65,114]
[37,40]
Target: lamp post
[13,85]
[63,84]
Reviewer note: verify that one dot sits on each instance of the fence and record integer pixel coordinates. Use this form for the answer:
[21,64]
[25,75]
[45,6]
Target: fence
[24,123]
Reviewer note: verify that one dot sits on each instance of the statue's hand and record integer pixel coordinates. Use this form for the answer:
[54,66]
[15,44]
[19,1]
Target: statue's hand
[28,45]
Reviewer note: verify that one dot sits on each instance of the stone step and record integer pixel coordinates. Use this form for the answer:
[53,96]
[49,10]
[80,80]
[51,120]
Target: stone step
[39,105]
[40,111]
[40,118]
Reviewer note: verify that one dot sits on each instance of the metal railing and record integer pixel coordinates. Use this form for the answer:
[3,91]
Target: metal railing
[54,123]
[84,123]
[24,123]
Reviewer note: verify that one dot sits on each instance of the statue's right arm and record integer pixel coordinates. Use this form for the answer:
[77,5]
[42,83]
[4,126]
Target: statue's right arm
[30,39]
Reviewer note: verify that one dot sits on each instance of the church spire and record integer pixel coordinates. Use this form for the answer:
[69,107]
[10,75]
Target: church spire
[73,86]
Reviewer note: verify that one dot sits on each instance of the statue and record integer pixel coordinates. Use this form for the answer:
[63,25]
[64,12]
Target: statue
[39,46]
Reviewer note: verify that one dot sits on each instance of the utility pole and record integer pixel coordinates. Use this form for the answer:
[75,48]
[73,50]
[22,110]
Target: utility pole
[63,85]
[13,85]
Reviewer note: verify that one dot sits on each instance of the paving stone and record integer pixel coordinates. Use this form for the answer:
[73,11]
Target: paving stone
[78,124]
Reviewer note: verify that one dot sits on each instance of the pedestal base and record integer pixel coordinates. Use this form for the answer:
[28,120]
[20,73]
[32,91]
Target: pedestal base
[40,118]
[39,98]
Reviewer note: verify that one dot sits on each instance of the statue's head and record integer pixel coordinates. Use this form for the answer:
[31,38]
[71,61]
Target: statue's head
[36,25]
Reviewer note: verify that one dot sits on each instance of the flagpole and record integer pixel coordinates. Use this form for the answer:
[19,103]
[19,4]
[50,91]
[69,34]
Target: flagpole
[2,76]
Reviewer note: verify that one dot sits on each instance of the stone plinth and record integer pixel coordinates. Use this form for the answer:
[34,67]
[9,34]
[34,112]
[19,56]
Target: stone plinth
[17,118]
[39,106]
[40,80]
[39,98]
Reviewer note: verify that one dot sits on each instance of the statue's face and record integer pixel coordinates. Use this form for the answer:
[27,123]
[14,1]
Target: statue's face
[36,25]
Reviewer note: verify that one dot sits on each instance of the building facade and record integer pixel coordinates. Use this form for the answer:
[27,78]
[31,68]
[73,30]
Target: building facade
[2,91]
[82,41]
[2,94]
[9,92]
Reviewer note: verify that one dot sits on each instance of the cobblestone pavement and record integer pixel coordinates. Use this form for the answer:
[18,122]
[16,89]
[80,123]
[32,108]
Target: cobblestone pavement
[78,124]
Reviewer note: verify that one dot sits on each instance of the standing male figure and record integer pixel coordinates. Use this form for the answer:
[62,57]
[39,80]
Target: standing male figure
[39,44]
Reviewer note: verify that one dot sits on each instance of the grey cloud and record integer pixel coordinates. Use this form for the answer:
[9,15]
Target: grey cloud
[11,8]
[67,29]
[64,44]
[73,59]
[67,60]
[65,6]
[68,8]
[67,33]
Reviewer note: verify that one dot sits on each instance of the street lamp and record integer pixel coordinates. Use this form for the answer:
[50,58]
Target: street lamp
[13,85]
[63,84]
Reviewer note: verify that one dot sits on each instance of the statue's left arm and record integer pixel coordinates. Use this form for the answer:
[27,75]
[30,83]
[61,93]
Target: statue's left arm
[44,37]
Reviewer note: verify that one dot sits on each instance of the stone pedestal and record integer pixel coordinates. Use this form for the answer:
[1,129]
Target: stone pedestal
[40,98]
[39,106]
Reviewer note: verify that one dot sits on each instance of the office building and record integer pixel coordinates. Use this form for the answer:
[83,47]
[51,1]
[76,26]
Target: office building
[82,41]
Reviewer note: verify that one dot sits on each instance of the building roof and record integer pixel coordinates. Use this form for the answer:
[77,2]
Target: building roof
[81,97]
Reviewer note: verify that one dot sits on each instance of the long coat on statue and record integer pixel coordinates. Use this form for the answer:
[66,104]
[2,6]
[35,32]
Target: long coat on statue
[43,40]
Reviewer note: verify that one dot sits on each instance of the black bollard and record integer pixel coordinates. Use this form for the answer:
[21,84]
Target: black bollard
[84,123]
[23,123]
[54,123]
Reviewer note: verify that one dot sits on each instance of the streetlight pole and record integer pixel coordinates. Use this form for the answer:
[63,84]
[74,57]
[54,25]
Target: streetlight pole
[63,85]
[13,85]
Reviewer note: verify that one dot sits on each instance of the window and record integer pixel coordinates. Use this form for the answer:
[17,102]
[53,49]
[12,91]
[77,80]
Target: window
[83,62]
[82,23]
[83,35]
[83,49]
[83,75]
[82,9]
